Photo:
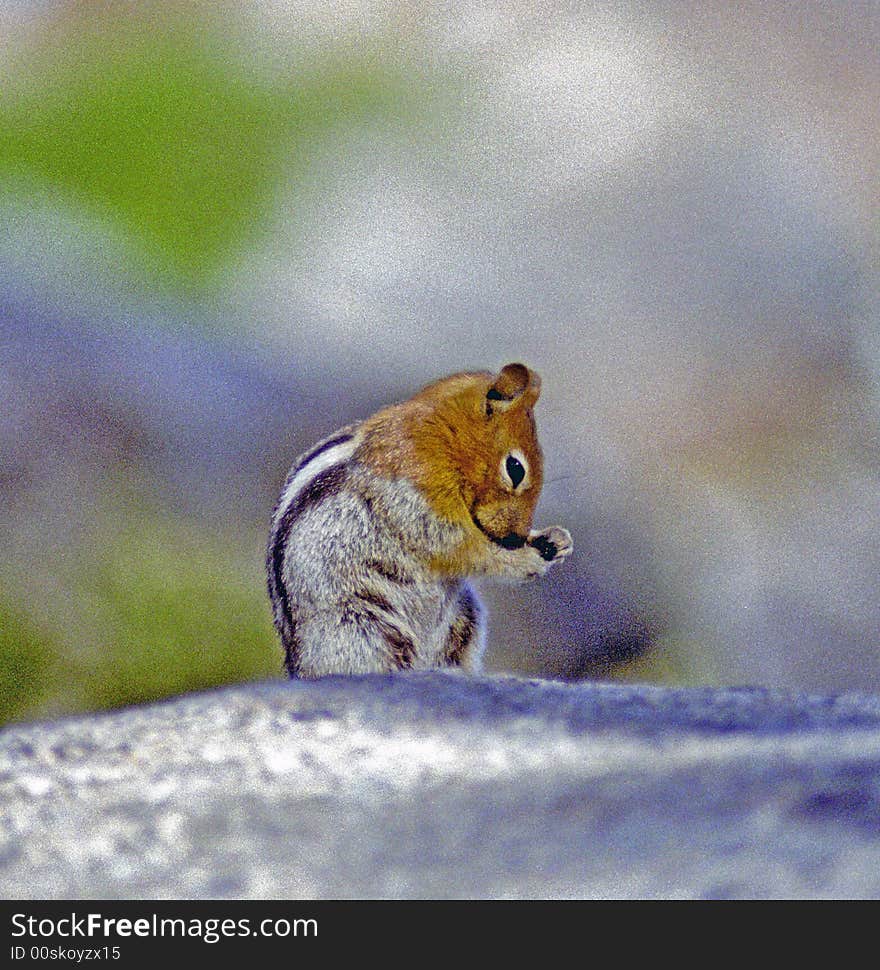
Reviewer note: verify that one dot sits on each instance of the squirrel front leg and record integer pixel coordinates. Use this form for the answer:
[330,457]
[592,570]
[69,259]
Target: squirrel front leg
[527,560]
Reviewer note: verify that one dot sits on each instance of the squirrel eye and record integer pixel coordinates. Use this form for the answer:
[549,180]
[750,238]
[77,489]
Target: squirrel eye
[515,471]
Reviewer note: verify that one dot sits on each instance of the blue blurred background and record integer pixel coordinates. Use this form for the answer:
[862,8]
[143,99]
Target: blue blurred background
[227,228]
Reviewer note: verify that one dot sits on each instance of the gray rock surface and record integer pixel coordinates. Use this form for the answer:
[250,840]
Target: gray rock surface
[437,785]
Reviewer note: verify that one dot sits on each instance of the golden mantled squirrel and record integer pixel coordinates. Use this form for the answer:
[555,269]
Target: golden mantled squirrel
[379,525]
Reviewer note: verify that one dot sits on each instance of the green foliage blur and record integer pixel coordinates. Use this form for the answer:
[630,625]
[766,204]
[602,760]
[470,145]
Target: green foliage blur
[161,131]
[164,132]
[171,609]
[172,602]
[27,659]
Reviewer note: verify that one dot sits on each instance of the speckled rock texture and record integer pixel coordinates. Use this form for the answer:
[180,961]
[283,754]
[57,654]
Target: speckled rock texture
[440,785]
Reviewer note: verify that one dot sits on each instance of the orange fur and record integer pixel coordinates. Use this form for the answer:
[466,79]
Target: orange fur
[450,440]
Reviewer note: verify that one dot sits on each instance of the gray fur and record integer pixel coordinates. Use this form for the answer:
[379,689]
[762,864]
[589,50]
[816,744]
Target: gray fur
[350,593]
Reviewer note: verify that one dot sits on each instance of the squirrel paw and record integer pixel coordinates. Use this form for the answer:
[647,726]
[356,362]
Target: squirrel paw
[543,549]
[553,544]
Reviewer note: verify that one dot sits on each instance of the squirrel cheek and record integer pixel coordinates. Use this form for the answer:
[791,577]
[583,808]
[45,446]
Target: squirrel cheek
[507,518]
[526,514]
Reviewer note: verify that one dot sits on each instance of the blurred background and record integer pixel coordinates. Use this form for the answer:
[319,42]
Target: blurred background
[227,228]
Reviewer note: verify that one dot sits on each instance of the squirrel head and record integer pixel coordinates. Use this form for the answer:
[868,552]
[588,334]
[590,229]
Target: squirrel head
[501,490]
[469,444]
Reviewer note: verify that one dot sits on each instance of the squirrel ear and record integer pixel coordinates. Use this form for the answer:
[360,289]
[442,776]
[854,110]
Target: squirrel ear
[515,384]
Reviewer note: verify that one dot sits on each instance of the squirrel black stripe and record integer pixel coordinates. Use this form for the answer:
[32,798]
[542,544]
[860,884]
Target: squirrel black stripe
[375,599]
[462,630]
[306,459]
[403,650]
[324,485]
[291,653]
[318,450]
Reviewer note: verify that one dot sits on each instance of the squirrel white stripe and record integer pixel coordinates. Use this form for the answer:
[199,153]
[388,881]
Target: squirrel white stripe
[326,459]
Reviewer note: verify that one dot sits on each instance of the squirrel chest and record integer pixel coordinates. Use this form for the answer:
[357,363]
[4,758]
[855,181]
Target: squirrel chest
[379,525]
